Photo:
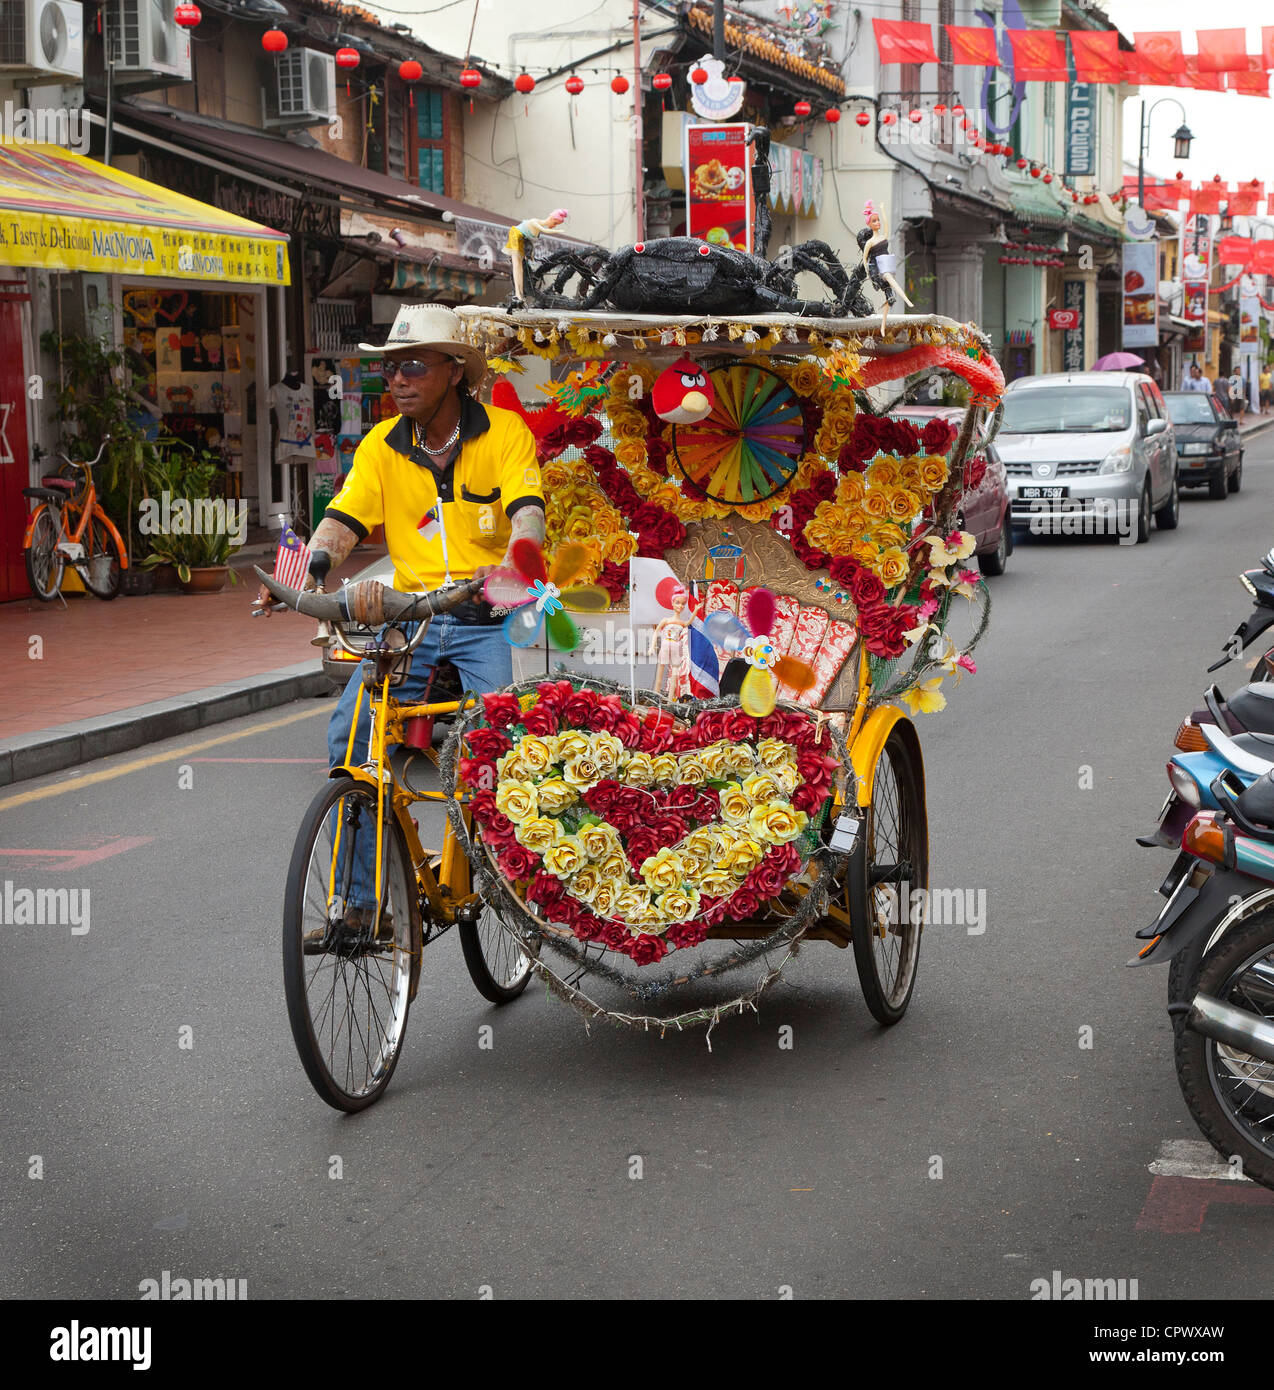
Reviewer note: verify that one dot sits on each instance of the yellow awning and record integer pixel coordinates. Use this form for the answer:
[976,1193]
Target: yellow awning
[61,211]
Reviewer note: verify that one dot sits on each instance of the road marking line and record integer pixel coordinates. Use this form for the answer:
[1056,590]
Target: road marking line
[74,859]
[74,784]
[308,762]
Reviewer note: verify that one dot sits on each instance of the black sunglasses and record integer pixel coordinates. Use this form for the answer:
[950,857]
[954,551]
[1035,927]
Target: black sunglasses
[413,368]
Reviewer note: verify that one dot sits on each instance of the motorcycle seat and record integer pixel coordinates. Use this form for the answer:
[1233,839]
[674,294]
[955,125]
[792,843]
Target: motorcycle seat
[1253,706]
[1257,801]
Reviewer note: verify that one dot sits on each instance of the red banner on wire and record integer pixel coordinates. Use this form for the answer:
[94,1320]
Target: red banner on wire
[1160,59]
[1243,201]
[1222,50]
[1097,56]
[1207,198]
[1253,83]
[972,45]
[1234,250]
[1262,262]
[904,41]
[1038,56]
[1200,81]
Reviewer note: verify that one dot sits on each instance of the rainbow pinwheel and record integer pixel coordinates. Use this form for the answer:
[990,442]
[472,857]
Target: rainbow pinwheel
[540,598]
[752,642]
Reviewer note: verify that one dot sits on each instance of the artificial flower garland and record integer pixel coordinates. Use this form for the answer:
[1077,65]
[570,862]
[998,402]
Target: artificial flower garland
[637,831]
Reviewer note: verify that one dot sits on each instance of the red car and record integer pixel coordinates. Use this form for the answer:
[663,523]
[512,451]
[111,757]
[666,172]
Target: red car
[986,507]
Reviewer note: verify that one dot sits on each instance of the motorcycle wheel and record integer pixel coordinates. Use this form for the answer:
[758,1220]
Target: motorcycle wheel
[1229,1093]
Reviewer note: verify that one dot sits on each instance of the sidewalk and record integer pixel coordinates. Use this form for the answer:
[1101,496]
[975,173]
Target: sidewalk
[112,676]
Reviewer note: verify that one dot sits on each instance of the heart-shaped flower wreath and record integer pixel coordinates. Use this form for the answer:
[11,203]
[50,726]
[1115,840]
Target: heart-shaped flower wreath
[638,830]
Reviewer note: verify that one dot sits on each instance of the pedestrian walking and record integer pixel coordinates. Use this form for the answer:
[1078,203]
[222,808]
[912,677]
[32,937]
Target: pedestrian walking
[1194,380]
[1264,382]
[1238,394]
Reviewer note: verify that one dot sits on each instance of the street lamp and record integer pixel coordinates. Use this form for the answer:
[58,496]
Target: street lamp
[1180,142]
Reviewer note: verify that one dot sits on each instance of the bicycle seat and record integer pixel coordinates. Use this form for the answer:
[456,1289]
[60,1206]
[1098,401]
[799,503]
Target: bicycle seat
[46,494]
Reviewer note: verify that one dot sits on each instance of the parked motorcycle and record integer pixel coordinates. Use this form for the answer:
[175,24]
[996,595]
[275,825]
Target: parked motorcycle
[1260,585]
[1220,910]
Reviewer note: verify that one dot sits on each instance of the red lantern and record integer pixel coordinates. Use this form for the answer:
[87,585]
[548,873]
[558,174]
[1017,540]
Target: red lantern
[802,109]
[1074,197]
[888,118]
[1007,151]
[1035,173]
[410,70]
[187,15]
[957,110]
[915,115]
[347,58]
[574,85]
[1180,175]
[698,76]
[471,77]
[1048,178]
[993,149]
[736,80]
[831,115]
[274,41]
[863,118]
[1021,164]
[524,82]
[940,110]
[661,81]
[619,84]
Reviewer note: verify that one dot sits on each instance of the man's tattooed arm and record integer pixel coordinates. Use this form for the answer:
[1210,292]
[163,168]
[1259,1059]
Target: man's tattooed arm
[330,536]
[527,524]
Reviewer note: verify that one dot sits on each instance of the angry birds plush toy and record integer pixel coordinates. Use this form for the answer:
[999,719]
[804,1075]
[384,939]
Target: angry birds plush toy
[683,394]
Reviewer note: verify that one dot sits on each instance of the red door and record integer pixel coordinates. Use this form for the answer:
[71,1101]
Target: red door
[14,462]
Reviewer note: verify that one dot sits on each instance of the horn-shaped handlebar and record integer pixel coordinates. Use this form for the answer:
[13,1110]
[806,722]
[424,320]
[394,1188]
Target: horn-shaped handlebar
[335,608]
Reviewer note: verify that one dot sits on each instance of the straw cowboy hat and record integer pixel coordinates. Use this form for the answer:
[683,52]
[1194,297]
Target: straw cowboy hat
[435,327]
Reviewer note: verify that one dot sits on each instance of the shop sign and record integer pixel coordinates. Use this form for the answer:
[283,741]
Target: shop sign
[1141,294]
[1081,129]
[1073,329]
[719,185]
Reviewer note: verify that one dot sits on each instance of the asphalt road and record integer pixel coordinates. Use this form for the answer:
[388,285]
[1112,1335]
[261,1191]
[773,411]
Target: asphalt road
[764,1169]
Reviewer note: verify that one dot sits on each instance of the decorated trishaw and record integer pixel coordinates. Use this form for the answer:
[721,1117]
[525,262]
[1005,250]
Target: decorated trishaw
[731,489]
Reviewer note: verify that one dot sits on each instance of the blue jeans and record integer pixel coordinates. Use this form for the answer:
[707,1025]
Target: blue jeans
[484,660]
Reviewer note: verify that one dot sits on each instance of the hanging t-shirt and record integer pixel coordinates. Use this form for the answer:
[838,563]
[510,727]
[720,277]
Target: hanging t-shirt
[294,415]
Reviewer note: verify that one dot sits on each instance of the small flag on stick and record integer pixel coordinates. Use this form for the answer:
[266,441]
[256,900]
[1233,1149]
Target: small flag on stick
[292,563]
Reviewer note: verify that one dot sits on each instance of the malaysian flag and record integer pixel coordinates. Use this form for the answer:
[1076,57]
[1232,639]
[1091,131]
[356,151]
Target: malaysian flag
[292,563]
[705,669]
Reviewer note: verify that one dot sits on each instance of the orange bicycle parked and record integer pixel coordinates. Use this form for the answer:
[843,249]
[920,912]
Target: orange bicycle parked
[70,526]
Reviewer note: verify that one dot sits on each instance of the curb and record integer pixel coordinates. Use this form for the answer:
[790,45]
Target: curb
[68,745]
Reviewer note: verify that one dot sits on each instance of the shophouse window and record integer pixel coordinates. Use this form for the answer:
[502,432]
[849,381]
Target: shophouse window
[431,160]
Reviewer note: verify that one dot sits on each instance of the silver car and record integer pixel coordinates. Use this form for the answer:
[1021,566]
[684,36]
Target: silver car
[1089,453]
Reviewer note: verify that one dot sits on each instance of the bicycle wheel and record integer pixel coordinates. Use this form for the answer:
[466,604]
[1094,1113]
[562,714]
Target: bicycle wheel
[100,569]
[43,560]
[886,868]
[498,963]
[349,986]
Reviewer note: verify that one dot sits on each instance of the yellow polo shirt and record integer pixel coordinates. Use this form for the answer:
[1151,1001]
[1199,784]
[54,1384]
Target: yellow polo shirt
[457,520]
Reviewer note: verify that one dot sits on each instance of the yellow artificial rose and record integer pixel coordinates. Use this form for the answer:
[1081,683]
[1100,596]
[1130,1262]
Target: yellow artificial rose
[618,548]
[584,882]
[677,904]
[903,504]
[776,823]
[664,768]
[760,511]
[598,840]
[865,553]
[581,771]
[663,870]
[825,442]
[536,753]
[933,472]
[637,771]
[579,525]
[603,900]
[774,752]
[823,534]
[699,844]
[571,744]
[741,758]
[692,770]
[509,767]
[876,502]
[693,864]
[517,800]
[614,868]
[886,533]
[632,453]
[840,425]
[564,858]
[606,520]
[554,474]
[851,489]
[735,806]
[892,566]
[714,759]
[607,752]
[556,796]
[803,378]
[882,472]
[786,778]
[631,425]
[716,883]
[632,904]
[742,857]
[761,788]
[538,834]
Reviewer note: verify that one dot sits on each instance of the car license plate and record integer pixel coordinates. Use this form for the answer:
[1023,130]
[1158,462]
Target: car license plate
[1051,491]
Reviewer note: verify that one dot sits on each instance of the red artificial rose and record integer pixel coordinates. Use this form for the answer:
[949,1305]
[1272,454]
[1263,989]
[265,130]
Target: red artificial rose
[669,828]
[843,568]
[546,889]
[540,720]
[605,714]
[824,487]
[500,710]
[553,694]
[614,579]
[769,876]
[739,727]
[975,471]
[682,798]
[517,862]
[498,832]
[742,903]
[586,925]
[866,589]
[657,730]
[488,744]
[711,911]
[938,436]
[685,934]
[809,799]
[628,729]
[615,935]
[710,726]
[582,431]
[643,841]
[883,629]
[657,455]
[478,773]
[601,797]
[578,708]
[647,949]
[631,802]
[482,805]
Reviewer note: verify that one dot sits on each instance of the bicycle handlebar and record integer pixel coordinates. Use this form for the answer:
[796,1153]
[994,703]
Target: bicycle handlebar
[97,458]
[397,607]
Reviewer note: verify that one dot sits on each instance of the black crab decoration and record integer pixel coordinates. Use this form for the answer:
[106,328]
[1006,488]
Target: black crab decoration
[683,275]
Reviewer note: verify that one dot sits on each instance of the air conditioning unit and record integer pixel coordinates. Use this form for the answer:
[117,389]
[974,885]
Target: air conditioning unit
[301,90]
[42,40]
[147,47]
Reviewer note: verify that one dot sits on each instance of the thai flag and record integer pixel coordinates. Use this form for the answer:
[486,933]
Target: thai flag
[292,563]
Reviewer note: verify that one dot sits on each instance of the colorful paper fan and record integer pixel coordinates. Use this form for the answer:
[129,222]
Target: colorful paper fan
[758,692]
[750,446]
[539,598]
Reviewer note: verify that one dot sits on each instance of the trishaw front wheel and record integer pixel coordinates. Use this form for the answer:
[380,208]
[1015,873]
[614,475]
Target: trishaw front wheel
[348,958]
[498,962]
[887,879]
